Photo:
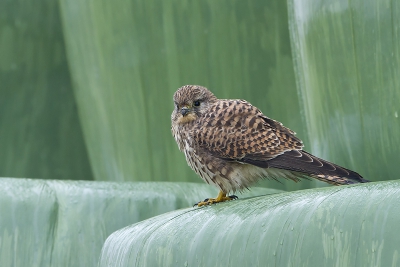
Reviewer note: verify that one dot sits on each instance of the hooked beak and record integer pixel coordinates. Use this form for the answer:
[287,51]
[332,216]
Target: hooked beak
[184,111]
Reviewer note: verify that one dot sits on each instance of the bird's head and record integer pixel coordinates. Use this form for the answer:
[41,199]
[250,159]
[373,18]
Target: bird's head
[191,102]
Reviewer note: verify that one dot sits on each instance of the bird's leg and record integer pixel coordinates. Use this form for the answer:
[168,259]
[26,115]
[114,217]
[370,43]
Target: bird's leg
[220,198]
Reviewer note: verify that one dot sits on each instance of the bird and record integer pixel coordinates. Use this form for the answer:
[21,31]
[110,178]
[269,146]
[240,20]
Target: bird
[231,144]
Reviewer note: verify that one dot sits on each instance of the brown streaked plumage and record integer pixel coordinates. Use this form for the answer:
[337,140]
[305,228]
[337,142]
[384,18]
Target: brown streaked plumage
[231,144]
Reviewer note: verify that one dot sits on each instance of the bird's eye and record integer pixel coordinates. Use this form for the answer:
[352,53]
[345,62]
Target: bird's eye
[196,103]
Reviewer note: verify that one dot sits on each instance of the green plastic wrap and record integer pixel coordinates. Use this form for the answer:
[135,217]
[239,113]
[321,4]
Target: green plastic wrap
[347,57]
[337,226]
[127,59]
[40,132]
[65,223]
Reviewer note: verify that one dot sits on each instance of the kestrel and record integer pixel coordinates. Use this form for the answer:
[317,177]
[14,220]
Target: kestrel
[231,144]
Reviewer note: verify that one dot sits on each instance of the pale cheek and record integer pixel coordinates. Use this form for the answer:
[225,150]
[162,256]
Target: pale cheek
[186,119]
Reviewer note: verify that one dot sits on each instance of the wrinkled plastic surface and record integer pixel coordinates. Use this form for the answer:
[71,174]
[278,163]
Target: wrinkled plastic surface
[65,223]
[40,132]
[337,226]
[347,57]
[127,59]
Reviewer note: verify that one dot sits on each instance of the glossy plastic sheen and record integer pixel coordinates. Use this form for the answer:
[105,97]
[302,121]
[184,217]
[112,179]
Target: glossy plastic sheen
[40,132]
[347,57]
[337,226]
[65,223]
[127,58]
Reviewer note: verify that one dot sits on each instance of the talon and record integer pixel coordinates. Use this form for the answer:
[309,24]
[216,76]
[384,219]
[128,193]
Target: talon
[222,197]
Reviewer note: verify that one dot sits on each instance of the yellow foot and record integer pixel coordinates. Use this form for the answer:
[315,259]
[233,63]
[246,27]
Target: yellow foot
[220,198]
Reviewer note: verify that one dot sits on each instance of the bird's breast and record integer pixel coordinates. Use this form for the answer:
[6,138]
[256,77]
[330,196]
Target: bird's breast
[177,133]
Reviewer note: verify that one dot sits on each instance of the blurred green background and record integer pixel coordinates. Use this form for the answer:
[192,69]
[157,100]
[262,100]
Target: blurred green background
[86,86]
[40,132]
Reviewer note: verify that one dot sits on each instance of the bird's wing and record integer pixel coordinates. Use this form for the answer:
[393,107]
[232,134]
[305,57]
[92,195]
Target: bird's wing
[235,130]
[304,162]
